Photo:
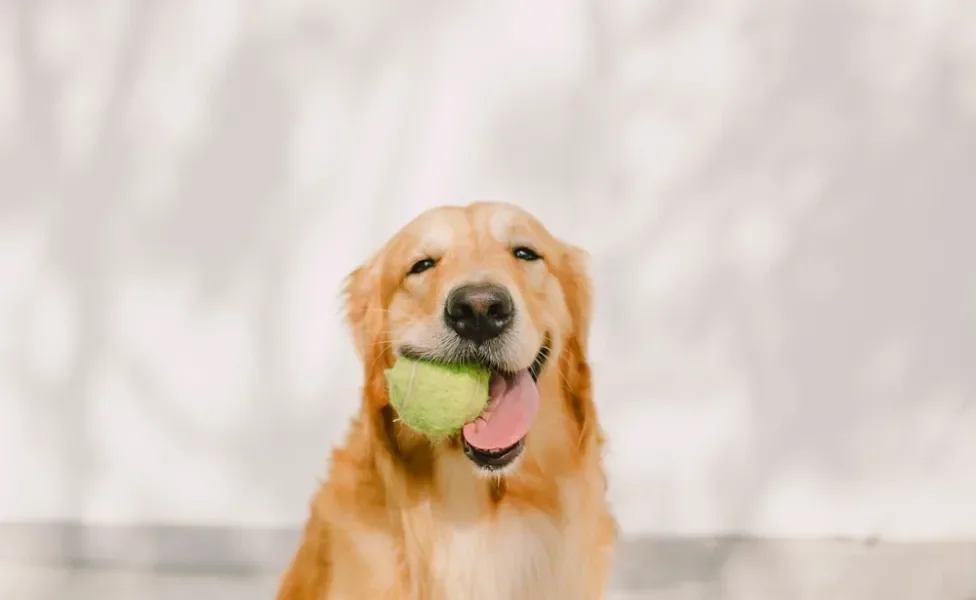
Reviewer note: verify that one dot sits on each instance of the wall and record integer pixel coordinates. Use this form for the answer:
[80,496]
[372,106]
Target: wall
[777,196]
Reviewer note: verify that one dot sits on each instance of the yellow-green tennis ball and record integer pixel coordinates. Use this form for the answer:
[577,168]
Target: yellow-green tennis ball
[437,400]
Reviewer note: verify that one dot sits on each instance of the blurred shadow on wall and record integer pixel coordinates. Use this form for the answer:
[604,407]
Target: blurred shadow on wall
[77,209]
[223,223]
[865,193]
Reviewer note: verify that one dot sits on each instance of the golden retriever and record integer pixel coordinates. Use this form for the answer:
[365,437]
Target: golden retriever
[513,507]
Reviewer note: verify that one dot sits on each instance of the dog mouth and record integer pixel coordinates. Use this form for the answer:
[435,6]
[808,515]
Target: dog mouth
[492,460]
[496,439]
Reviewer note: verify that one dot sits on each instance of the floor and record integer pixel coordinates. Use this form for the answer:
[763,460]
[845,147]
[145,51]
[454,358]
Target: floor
[56,584]
[741,571]
[167,565]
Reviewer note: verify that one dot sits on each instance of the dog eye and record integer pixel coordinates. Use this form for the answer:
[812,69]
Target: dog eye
[422,265]
[526,254]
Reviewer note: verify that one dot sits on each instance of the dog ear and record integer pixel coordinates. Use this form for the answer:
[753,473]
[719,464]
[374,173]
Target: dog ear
[365,312]
[573,275]
[362,296]
[574,278]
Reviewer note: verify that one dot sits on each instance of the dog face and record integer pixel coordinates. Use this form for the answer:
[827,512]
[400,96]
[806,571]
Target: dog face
[486,284]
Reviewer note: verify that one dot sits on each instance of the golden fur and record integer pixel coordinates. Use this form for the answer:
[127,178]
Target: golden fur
[399,518]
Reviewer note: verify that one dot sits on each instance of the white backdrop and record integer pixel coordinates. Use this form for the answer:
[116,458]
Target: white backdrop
[778,195]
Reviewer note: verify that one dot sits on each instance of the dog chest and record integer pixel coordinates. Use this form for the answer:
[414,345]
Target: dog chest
[517,556]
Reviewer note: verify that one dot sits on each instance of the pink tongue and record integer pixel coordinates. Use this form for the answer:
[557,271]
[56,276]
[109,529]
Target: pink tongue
[511,409]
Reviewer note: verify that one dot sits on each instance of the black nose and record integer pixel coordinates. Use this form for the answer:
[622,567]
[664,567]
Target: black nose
[479,312]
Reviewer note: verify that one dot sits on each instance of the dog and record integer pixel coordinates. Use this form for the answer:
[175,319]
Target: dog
[512,508]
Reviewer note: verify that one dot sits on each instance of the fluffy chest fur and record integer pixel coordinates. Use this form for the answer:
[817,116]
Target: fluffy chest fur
[520,554]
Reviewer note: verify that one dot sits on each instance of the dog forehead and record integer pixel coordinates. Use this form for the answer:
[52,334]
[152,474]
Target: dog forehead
[439,235]
[508,223]
[434,232]
[500,223]
[440,230]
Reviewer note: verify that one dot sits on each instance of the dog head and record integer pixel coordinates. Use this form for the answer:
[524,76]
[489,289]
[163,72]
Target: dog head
[487,284]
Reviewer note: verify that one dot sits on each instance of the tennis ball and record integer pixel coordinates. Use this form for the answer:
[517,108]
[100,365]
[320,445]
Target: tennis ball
[437,400]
